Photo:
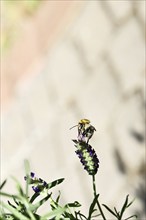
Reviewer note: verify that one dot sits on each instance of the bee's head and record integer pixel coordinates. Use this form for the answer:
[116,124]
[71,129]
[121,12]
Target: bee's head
[84,121]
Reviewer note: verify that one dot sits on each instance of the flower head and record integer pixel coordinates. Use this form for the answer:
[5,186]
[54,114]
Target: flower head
[87,156]
[38,184]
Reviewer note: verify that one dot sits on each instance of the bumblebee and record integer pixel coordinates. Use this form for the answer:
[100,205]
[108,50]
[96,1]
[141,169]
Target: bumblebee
[85,130]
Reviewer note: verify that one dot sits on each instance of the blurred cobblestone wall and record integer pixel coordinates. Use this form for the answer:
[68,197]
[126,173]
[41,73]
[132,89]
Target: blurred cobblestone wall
[96,71]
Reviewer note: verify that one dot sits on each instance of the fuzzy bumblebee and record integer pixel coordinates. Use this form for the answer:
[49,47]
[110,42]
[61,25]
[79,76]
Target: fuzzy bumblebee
[87,156]
[85,130]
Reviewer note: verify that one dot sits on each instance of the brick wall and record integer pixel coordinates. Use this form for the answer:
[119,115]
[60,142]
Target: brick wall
[95,69]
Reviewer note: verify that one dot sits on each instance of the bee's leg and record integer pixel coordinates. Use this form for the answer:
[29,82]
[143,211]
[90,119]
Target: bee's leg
[81,133]
[88,139]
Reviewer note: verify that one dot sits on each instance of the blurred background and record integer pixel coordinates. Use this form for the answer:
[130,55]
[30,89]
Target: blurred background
[63,61]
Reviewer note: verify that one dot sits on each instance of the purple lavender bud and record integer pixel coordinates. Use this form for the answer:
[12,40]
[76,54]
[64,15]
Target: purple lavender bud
[40,180]
[32,175]
[36,189]
[44,183]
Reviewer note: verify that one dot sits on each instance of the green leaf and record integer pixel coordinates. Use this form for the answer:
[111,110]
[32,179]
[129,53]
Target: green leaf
[124,207]
[27,166]
[41,202]
[27,171]
[111,211]
[3,183]
[75,141]
[118,213]
[130,203]
[91,209]
[54,213]
[14,211]
[54,183]
[8,195]
[67,215]
[58,197]
[11,204]
[15,200]
[28,207]
[80,215]
[54,204]
[34,196]
[73,205]
[131,217]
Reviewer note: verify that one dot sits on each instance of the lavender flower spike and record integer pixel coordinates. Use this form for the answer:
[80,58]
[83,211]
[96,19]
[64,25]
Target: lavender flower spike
[87,156]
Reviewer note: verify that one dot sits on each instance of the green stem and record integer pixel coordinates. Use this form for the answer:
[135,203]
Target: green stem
[94,186]
[98,204]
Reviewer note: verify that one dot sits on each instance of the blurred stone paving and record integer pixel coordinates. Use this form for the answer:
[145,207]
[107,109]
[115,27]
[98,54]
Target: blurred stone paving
[95,71]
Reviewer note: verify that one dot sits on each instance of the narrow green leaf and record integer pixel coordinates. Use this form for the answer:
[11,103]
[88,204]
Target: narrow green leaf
[11,204]
[3,183]
[24,201]
[124,207]
[54,213]
[131,217]
[130,203]
[118,214]
[111,211]
[8,195]
[73,205]
[91,209]
[54,204]
[54,183]
[14,212]
[66,215]
[34,196]
[80,215]
[15,200]
[58,197]
[41,202]
[27,172]
[96,215]
[75,141]
[27,166]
